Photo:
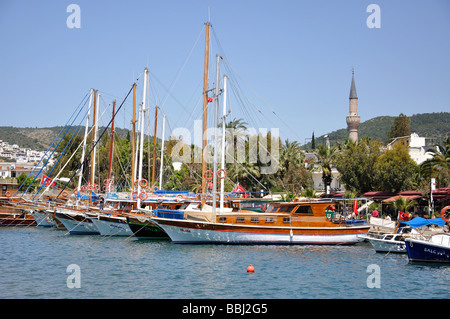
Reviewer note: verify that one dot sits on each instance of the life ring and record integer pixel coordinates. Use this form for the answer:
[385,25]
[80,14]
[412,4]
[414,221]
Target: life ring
[179,198]
[160,199]
[8,194]
[134,195]
[226,197]
[106,181]
[143,183]
[65,193]
[224,173]
[75,190]
[141,197]
[205,175]
[445,216]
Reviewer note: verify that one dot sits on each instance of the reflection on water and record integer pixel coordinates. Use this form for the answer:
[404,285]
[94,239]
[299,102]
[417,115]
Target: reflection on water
[34,265]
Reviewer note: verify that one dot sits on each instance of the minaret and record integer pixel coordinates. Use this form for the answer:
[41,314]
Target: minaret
[353,119]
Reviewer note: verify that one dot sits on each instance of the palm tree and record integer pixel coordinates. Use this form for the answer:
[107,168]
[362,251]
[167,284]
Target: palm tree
[440,159]
[439,165]
[402,203]
[290,156]
[325,159]
[309,193]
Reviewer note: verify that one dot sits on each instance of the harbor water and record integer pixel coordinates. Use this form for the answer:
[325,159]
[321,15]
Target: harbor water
[39,263]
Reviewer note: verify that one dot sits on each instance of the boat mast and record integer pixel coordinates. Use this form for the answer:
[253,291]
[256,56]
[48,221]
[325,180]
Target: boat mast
[80,177]
[141,146]
[222,181]
[154,149]
[112,143]
[205,111]
[94,135]
[133,123]
[162,152]
[216,114]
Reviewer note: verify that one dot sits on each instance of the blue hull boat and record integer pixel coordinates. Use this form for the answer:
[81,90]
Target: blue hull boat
[436,249]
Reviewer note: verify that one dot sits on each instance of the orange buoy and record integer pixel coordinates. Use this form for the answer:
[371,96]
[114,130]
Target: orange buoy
[250,269]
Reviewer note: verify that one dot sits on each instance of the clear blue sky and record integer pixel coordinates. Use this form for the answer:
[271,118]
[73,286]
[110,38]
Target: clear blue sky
[296,55]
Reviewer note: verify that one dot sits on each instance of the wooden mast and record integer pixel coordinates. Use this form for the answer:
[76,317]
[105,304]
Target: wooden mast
[133,122]
[205,111]
[154,149]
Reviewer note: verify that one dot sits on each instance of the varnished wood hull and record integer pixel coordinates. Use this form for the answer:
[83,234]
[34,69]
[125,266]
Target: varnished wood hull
[196,232]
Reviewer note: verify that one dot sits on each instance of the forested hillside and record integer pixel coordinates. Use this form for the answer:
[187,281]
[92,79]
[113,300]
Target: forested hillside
[433,126]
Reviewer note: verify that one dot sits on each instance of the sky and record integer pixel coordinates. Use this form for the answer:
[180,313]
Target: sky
[289,61]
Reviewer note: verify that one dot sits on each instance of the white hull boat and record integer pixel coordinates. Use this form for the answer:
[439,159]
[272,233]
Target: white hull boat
[77,223]
[393,243]
[43,218]
[109,225]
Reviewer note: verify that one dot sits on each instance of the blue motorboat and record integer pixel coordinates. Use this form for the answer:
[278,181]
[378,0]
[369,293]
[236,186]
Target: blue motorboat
[434,249]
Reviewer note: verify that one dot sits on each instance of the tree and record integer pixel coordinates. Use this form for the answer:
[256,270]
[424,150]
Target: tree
[438,166]
[400,127]
[325,160]
[395,170]
[402,204]
[356,164]
[313,142]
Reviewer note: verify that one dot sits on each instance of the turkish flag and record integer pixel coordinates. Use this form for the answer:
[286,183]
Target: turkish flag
[48,181]
[210,99]
[239,189]
[355,207]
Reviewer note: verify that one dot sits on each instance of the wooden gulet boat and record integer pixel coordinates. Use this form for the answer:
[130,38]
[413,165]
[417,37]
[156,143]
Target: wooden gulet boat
[282,223]
[12,215]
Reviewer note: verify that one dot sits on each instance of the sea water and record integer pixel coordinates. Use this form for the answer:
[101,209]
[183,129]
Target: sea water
[39,263]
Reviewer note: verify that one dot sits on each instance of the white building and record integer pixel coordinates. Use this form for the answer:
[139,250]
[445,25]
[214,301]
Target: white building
[417,147]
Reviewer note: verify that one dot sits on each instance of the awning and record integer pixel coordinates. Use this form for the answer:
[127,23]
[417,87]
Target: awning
[393,198]
[419,222]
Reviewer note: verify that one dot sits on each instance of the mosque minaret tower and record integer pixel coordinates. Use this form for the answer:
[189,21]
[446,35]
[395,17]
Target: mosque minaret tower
[353,118]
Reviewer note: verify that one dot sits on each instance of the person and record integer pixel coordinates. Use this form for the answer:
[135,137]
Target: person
[375,213]
[102,202]
[388,217]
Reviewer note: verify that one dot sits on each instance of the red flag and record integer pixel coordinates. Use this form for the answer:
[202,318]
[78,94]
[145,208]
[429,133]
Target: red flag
[210,99]
[239,189]
[48,181]
[355,207]
[403,216]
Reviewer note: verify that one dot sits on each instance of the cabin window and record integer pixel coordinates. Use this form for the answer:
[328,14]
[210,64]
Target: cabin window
[286,209]
[271,209]
[304,210]
[222,219]
[254,219]
[240,219]
[286,219]
[269,219]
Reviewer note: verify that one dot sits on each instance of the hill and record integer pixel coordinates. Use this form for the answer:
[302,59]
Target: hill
[40,139]
[434,126]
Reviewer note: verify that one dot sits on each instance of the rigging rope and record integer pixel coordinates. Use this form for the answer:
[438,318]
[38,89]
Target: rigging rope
[96,142]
